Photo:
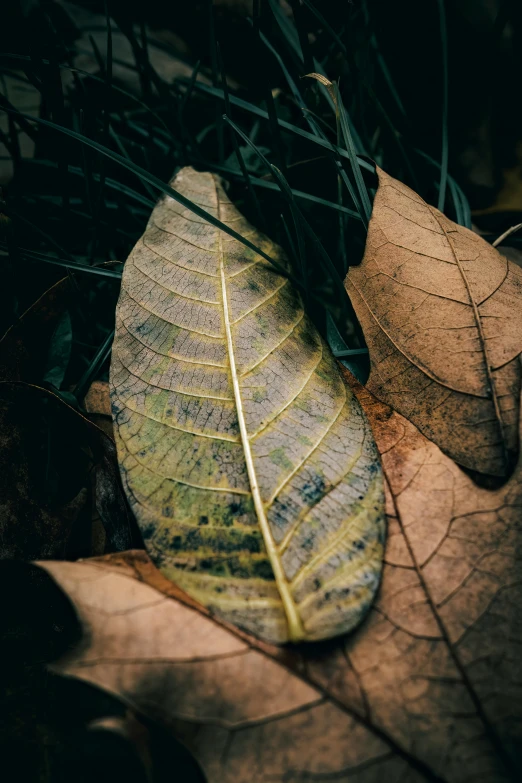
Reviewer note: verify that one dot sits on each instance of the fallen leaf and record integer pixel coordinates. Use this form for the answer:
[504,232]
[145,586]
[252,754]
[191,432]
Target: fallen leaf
[97,400]
[441,312]
[97,403]
[247,462]
[427,689]
[54,729]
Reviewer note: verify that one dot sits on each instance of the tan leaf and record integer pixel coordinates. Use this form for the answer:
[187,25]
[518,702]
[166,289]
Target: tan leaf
[427,689]
[97,403]
[248,463]
[441,311]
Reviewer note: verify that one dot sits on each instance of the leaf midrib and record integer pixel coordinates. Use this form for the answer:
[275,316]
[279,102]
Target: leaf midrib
[295,628]
[478,322]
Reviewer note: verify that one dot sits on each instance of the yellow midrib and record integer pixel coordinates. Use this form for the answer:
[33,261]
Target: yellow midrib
[295,627]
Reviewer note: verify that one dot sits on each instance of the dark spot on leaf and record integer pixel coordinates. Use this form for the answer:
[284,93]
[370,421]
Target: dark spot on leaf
[263,570]
[313,489]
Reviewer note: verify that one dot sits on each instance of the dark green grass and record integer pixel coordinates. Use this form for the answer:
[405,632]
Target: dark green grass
[299,159]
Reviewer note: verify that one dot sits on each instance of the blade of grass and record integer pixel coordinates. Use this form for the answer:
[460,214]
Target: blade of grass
[308,59]
[262,183]
[348,140]
[215,78]
[352,64]
[188,93]
[237,151]
[41,232]
[111,183]
[339,289]
[289,239]
[114,87]
[102,354]
[461,202]
[326,26]
[32,255]
[153,180]
[445,91]
[289,32]
[291,83]
[277,142]
[342,173]
[310,119]
[381,61]
[253,109]
[292,39]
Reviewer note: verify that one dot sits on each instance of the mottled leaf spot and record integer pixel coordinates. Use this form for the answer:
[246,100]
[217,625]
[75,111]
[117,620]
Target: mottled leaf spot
[278,457]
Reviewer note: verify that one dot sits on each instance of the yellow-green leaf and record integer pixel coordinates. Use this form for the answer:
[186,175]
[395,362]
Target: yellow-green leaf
[249,464]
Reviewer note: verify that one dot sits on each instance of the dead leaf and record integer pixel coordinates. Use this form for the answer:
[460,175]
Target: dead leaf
[441,311]
[97,403]
[248,463]
[97,400]
[427,689]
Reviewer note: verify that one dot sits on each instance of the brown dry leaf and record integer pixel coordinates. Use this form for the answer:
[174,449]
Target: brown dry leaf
[97,400]
[97,403]
[441,312]
[248,463]
[428,689]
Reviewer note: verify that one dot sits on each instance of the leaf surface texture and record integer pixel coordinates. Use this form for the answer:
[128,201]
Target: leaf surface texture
[441,312]
[249,464]
[427,689]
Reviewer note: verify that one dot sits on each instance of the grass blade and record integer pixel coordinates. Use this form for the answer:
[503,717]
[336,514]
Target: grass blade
[253,109]
[445,90]
[32,255]
[103,352]
[156,182]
